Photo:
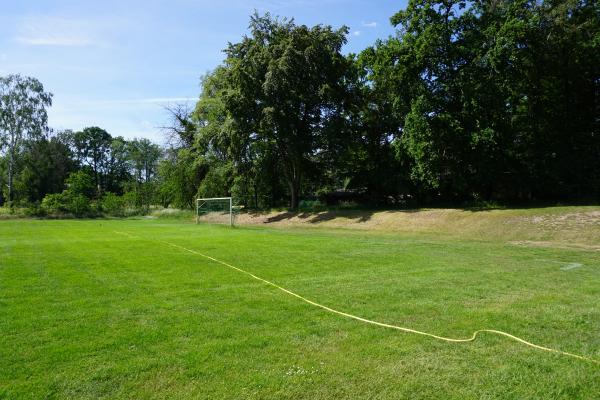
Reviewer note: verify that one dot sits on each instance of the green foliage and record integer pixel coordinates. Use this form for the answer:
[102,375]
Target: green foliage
[77,204]
[75,199]
[85,164]
[501,97]
[215,181]
[54,203]
[118,166]
[469,102]
[80,183]
[113,205]
[92,146]
[42,167]
[281,86]
[182,173]
[23,103]
[143,156]
[66,203]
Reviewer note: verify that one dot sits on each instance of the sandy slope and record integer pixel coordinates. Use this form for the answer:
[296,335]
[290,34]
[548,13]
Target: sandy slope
[577,227]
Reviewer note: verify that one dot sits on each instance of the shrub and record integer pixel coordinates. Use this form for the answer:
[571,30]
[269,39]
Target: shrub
[112,204]
[79,205]
[54,203]
[80,183]
[66,203]
[35,210]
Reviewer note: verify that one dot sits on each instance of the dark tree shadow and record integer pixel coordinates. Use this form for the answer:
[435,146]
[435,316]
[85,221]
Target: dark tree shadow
[357,215]
[323,216]
[280,217]
[365,215]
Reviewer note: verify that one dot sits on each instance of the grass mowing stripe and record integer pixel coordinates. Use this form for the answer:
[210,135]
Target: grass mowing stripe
[368,321]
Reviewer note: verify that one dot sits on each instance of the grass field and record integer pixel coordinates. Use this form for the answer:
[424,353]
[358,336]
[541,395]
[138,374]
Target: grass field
[87,312]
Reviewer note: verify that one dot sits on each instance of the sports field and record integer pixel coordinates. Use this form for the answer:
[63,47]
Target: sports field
[131,309]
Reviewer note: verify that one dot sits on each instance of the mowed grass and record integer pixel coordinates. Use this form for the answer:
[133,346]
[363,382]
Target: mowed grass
[87,312]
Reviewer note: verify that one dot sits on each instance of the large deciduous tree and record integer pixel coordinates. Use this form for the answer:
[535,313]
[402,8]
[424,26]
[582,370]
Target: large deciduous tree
[494,100]
[285,82]
[23,103]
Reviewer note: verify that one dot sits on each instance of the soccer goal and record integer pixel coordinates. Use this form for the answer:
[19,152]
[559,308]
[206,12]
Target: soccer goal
[216,210]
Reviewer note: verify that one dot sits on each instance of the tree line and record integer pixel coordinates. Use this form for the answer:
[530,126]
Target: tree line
[468,101]
[88,172]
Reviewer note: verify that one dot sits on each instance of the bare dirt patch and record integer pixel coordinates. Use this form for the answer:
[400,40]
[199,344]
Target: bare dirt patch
[570,266]
[562,221]
[558,245]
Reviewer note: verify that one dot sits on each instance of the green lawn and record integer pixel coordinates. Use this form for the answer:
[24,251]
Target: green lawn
[86,312]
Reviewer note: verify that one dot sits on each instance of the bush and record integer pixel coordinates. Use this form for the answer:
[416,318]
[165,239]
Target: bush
[112,204]
[54,203]
[66,203]
[80,183]
[35,210]
[79,205]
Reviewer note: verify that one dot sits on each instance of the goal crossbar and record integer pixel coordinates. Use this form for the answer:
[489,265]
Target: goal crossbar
[201,201]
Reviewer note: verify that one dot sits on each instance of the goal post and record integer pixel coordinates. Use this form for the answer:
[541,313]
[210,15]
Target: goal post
[214,208]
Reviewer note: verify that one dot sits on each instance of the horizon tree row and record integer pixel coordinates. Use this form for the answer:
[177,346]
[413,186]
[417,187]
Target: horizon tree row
[37,162]
[468,101]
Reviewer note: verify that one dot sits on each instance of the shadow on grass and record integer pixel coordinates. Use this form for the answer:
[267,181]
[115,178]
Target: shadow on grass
[362,215]
[281,217]
[317,217]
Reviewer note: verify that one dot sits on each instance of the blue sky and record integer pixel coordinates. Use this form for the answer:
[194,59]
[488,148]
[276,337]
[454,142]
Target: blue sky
[115,64]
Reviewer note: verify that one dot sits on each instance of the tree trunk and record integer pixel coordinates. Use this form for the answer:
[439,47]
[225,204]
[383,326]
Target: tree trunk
[11,161]
[294,185]
[96,177]
[255,195]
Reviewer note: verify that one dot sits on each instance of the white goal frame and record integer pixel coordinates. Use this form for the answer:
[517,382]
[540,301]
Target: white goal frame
[205,199]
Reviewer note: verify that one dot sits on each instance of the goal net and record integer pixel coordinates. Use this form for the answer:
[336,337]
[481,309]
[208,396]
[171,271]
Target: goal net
[215,210]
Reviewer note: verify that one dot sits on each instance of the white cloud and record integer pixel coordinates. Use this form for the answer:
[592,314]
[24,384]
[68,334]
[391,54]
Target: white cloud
[372,24]
[54,40]
[166,99]
[149,103]
[356,33]
[151,100]
[59,31]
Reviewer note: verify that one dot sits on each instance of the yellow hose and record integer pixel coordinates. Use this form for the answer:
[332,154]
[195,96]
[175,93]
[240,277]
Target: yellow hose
[368,321]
